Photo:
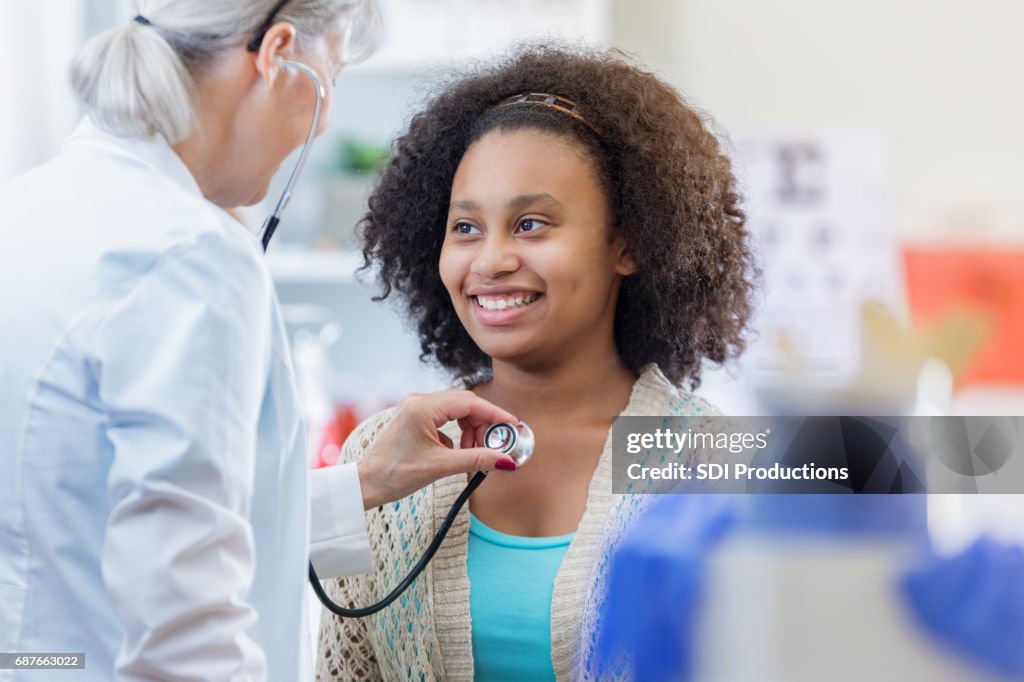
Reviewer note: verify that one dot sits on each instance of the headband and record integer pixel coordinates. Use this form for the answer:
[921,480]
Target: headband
[543,99]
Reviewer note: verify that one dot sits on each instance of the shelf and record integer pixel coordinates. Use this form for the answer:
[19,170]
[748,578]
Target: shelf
[306,266]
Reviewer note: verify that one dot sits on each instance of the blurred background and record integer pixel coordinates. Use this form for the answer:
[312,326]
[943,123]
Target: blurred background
[880,151]
[879,147]
[878,144]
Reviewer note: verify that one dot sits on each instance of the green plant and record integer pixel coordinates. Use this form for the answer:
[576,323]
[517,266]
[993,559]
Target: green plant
[353,156]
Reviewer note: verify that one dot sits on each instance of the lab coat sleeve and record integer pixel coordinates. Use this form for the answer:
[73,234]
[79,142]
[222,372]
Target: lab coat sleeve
[339,544]
[181,366]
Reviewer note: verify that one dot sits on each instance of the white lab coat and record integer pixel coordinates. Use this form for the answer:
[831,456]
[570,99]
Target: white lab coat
[155,487]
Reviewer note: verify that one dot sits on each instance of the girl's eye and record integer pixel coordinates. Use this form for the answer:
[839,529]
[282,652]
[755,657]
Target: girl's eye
[466,228]
[529,225]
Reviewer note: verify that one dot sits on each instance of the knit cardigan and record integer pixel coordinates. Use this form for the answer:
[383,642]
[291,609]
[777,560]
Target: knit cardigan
[426,634]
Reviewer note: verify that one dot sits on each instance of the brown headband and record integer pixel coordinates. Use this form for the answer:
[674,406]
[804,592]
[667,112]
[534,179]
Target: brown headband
[566,106]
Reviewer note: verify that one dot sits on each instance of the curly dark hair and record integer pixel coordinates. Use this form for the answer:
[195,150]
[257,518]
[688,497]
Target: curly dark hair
[670,186]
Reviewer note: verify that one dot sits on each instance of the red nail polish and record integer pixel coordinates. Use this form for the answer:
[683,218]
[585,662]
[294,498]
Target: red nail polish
[505,465]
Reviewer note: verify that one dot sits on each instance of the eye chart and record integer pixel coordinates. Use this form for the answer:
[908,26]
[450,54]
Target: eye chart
[819,209]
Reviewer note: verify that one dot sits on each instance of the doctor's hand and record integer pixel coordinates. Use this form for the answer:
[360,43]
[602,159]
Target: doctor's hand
[411,453]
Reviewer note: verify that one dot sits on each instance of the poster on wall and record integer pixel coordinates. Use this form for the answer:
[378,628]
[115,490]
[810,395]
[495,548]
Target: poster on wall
[818,206]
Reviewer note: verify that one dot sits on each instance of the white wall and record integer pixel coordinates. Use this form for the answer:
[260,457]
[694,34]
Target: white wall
[940,78]
[37,111]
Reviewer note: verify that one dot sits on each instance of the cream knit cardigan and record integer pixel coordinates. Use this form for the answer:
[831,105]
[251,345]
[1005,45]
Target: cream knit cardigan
[427,634]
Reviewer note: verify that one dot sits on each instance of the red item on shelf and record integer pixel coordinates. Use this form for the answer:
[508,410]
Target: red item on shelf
[346,419]
[989,281]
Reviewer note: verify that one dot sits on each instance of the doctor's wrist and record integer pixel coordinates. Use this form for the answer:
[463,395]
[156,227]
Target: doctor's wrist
[370,478]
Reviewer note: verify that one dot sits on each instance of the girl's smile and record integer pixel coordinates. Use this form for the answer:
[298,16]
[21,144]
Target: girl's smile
[504,307]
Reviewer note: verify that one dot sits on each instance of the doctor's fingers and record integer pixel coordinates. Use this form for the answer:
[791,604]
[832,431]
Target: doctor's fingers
[454,405]
[473,434]
[472,460]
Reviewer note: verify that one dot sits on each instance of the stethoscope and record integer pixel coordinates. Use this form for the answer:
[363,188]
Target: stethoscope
[270,225]
[515,440]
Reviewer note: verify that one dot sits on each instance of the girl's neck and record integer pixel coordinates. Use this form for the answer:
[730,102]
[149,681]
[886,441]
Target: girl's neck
[581,387]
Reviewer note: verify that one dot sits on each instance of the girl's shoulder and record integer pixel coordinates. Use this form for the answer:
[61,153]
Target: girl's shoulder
[690,405]
[364,435]
[417,504]
[655,396]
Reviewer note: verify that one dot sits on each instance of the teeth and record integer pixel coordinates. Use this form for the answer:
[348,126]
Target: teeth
[497,303]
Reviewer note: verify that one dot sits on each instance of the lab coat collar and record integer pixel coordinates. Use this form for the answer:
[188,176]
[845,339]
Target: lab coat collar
[153,151]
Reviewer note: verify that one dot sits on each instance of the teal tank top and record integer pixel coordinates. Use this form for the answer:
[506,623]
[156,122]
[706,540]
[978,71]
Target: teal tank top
[511,579]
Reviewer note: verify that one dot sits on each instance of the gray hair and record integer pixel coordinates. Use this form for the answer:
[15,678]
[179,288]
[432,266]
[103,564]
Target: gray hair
[135,80]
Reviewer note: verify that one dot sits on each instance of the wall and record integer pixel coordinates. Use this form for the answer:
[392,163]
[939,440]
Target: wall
[37,110]
[938,77]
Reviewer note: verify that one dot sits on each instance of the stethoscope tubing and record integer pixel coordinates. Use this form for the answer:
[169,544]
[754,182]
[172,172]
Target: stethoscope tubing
[442,532]
[517,441]
[272,221]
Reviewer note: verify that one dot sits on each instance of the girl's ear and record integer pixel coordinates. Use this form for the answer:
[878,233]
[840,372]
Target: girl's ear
[625,264]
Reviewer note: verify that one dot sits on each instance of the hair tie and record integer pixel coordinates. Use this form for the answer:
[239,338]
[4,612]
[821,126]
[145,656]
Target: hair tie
[139,19]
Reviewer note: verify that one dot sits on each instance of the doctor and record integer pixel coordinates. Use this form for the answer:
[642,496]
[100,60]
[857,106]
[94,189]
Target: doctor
[156,510]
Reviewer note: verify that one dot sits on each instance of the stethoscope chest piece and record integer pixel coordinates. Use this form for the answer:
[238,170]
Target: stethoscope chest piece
[515,440]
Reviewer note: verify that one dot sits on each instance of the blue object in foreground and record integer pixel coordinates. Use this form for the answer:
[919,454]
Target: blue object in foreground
[903,517]
[654,585]
[973,602]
